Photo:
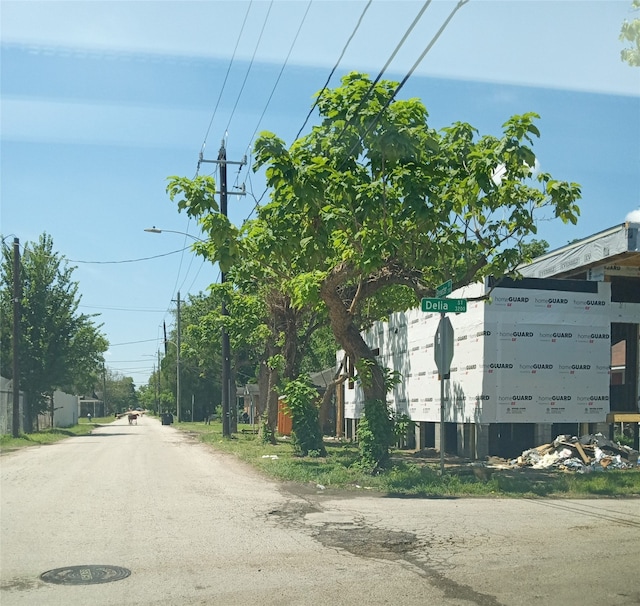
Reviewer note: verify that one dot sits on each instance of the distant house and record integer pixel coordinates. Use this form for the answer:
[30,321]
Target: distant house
[65,414]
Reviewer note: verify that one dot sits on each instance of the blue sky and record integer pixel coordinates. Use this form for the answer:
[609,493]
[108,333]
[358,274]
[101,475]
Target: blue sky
[102,101]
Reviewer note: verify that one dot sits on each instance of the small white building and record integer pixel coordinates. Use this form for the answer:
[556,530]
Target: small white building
[66,409]
[65,414]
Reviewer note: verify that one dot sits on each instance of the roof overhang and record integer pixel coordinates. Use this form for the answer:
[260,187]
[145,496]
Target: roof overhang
[614,251]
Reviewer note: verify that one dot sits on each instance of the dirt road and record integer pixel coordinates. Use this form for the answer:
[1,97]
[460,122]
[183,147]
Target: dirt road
[193,526]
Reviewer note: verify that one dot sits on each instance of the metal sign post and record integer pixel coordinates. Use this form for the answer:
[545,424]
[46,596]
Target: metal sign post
[442,410]
[443,350]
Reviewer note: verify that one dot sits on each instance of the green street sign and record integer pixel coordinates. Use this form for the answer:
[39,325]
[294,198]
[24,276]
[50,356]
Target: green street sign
[444,289]
[443,306]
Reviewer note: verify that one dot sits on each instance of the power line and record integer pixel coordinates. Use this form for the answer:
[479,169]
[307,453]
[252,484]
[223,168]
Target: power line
[60,257]
[233,111]
[188,290]
[132,342]
[429,46]
[120,308]
[293,43]
[275,85]
[224,83]
[384,69]
[326,84]
[372,85]
[344,50]
[126,260]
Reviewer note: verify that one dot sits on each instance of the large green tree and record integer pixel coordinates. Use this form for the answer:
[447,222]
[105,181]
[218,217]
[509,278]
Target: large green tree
[59,347]
[270,336]
[374,208]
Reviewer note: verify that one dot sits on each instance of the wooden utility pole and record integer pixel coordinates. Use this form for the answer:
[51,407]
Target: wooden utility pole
[17,295]
[225,345]
[178,393]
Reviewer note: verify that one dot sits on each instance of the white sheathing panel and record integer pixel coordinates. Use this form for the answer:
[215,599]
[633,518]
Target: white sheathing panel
[549,354]
[527,356]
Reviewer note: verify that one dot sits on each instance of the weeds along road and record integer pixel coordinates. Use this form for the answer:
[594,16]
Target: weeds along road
[196,527]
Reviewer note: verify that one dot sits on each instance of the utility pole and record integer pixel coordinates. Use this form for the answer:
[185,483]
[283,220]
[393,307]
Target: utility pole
[17,295]
[222,162]
[178,362]
[158,387]
[226,346]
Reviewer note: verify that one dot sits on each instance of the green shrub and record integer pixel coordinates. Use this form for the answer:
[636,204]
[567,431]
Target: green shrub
[375,435]
[301,397]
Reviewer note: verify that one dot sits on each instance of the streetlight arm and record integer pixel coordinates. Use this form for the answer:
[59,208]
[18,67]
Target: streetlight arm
[155,230]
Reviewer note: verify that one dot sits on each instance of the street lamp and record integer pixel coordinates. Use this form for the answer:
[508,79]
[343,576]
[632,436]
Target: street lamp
[155,230]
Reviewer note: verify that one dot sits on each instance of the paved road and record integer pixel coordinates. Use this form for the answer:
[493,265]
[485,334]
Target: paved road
[196,527]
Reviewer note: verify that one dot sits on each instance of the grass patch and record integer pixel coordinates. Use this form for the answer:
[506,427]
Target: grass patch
[50,435]
[411,477]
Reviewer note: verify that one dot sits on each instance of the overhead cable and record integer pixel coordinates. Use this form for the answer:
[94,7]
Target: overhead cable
[233,111]
[127,260]
[291,47]
[384,69]
[204,142]
[293,43]
[326,84]
[429,46]
[344,50]
[121,309]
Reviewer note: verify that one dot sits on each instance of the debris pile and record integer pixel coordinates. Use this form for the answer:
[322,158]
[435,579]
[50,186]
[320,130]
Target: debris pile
[593,452]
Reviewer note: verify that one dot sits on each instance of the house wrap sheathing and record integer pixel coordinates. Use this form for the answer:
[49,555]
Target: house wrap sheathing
[535,358]
[525,355]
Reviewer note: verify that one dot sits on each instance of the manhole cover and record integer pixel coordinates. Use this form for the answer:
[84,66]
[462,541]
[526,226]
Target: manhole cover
[85,575]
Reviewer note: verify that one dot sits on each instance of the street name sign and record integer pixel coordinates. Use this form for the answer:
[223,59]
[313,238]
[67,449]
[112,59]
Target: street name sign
[444,289]
[453,306]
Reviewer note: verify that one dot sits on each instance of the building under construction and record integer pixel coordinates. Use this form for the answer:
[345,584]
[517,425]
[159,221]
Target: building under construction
[555,352]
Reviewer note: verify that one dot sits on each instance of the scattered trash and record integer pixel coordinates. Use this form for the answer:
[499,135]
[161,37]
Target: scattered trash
[320,487]
[593,452]
[269,456]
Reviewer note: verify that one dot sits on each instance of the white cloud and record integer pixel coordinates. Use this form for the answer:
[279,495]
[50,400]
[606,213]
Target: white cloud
[633,216]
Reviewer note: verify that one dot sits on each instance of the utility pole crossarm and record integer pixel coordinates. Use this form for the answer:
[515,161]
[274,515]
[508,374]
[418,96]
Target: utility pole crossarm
[223,162]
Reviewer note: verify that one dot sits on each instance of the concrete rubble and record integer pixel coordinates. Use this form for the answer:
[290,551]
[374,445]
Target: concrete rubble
[593,452]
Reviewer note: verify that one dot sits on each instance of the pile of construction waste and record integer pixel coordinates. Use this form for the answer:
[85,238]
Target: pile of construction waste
[592,452]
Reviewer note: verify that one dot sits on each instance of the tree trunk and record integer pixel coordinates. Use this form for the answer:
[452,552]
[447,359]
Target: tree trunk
[325,406]
[288,320]
[269,417]
[271,424]
[375,429]
[263,389]
[233,404]
[51,409]
[349,337]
